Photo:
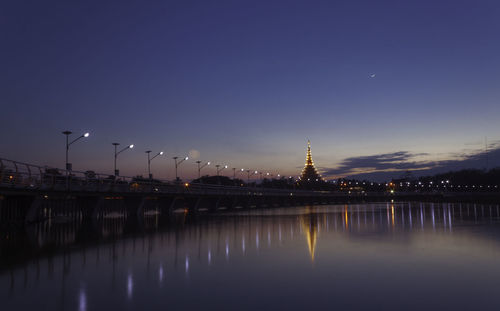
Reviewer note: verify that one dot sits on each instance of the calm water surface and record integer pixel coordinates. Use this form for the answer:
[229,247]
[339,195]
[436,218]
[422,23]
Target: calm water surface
[404,256]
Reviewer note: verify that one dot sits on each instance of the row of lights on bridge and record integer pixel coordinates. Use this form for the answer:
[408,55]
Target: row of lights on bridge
[177,160]
[444,184]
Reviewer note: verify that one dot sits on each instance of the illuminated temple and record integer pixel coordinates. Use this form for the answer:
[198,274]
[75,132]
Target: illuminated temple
[309,172]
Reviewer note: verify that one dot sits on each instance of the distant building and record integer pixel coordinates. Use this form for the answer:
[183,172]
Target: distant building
[309,172]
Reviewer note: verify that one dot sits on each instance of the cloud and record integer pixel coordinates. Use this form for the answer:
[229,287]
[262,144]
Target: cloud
[392,165]
[396,161]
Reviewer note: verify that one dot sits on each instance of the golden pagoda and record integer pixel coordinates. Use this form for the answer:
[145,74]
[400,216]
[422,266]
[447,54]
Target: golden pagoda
[309,172]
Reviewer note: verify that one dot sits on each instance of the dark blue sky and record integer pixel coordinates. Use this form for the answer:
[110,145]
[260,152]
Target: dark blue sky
[247,82]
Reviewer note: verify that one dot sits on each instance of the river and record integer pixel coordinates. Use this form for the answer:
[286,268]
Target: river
[380,256]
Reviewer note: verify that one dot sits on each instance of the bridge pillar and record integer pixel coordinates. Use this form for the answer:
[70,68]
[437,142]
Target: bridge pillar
[177,202]
[217,204]
[198,204]
[94,212]
[140,209]
[33,214]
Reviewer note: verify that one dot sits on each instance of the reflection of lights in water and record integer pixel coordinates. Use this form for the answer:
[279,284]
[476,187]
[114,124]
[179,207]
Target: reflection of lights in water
[388,216]
[421,217]
[227,249]
[392,214]
[187,264]
[82,300]
[433,218]
[279,232]
[357,216]
[268,237]
[257,239]
[346,224]
[403,216]
[160,273]
[444,217]
[411,223]
[310,229]
[291,231]
[449,219]
[209,256]
[130,285]
[243,243]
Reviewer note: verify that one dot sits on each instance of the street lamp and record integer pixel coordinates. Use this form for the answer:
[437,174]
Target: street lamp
[118,152]
[149,162]
[177,164]
[234,173]
[219,170]
[248,175]
[200,167]
[68,143]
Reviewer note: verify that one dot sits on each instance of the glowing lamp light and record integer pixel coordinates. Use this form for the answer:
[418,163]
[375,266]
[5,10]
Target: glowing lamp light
[186,158]
[208,163]
[225,166]
[161,152]
[86,135]
[186,184]
[131,146]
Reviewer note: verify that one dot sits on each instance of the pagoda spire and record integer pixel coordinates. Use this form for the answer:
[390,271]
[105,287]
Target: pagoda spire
[309,160]
[309,172]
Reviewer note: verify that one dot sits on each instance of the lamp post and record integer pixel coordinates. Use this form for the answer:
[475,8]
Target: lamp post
[200,167]
[177,165]
[219,170]
[234,173]
[149,162]
[248,175]
[117,153]
[255,173]
[68,143]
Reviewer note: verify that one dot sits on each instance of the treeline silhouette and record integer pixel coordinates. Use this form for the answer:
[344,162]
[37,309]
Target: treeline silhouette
[467,177]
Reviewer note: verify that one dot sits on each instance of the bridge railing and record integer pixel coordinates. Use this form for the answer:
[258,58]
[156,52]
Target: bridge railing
[19,175]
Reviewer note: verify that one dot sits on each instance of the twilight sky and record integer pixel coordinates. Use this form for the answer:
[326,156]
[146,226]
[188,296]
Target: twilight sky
[246,83]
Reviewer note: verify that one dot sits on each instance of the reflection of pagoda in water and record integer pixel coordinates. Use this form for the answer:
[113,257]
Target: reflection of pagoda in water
[309,172]
[310,229]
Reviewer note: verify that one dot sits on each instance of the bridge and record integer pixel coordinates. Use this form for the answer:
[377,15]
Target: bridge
[32,193]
